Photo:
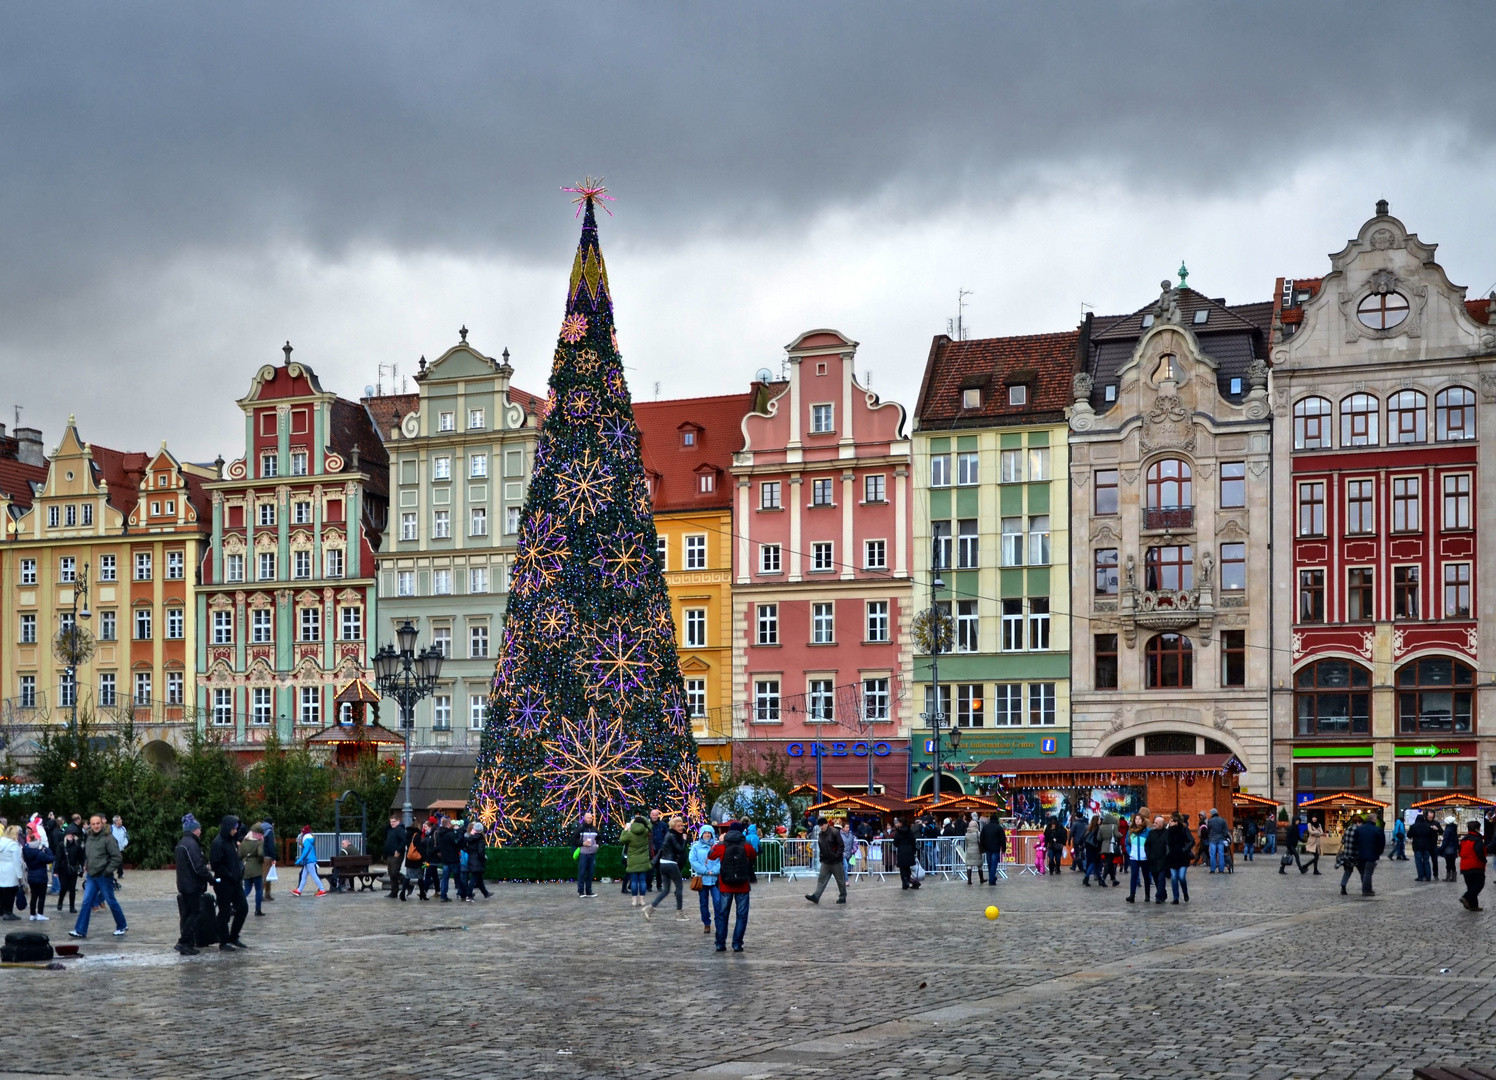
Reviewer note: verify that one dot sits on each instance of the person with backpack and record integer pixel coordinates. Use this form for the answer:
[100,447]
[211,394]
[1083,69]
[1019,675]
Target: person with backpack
[395,842]
[1473,865]
[735,884]
[670,857]
[706,868]
[193,877]
[833,854]
[475,851]
[307,860]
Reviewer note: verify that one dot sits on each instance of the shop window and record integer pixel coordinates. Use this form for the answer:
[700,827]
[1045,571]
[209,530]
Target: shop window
[1333,697]
[1435,696]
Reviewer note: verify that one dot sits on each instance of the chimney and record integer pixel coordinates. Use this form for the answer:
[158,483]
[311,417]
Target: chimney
[29,448]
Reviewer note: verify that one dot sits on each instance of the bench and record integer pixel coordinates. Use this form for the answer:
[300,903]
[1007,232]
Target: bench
[1453,1072]
[353,868]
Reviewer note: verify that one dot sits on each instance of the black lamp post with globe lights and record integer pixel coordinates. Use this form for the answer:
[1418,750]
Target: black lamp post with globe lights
[407,676]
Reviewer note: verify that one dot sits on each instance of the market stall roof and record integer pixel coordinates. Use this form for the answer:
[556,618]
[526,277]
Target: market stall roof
[1343,800]
[372,734]
[1452,800]
[357,691]
[959,803]
[1254,802]
[883,804]
[830,789]
[1075,771]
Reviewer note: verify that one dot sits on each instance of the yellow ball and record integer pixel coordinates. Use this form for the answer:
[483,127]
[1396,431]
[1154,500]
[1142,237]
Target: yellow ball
[992,912]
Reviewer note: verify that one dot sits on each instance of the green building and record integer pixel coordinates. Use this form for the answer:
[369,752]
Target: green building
[460,451]
[991,522]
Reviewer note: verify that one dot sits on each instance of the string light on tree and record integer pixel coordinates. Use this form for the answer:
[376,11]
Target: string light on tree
[587,712]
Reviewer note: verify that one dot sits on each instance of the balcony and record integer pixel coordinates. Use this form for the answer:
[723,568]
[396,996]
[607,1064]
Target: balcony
[1169,517]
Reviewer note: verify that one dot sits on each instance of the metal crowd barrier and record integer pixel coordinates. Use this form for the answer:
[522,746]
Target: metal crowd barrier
[942,856]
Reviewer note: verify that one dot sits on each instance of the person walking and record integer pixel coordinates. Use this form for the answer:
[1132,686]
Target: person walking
[706,868]
[903,850]
[475,848]
[12,871]
[1181,853]
[1473,865]
[395,842]
[1156,852]
[1313,845]
[1450,846]
[448,847]
[101,861]
[1248,838]
[673,854]
[1367,842]
[636,858]
[1423,837]
[1291,849]
[415,863]
[1090,847]
[307,860]
[1055,837]
[267,841]
[1217,836]
[992,843]
[833,852]
[1137,860]
[69,867]
[252,856]
[38,859]
[193,877]
[228,884]
[1399,840]
[584,839]
[734,884]
[658,826]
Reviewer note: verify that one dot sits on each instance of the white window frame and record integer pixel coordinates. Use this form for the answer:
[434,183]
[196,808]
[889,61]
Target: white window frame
[441,524]
[311,705]
[262,626]
[477,710]
[770,559]
[441,582]
[696,551]
[875,554]
[477,580]
[262,706]
[875,699]
[823,623]
[768,495]
[477,466]
[767,618]
[266,566]
[478,521]
[351,623]
[696,698]
[301,565]
[1041,705]
[176,565]
[28,571]
[822,557]
[477,419]
[176,623]
[695,628]
[478,646]
[441,712]
[144,566]
[233,567]
[766,701]
[968,468]
[405,583]
[822,418]
[407,526]
[877,620]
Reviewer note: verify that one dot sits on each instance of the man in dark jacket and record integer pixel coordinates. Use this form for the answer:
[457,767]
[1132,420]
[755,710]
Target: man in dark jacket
[192,882]
[1366,845]
[449,854]
[267,840]
[735,885]
[1156,851]
[833,864]
[992,841]
[1422,836]
[1054,844]
[395,842]
[658,827]
[228,884]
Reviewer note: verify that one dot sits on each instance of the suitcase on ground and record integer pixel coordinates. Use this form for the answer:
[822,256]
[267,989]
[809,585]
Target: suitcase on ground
[26,947]
[207,922]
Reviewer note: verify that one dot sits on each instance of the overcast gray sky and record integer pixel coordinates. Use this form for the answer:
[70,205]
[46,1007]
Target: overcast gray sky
[183,187]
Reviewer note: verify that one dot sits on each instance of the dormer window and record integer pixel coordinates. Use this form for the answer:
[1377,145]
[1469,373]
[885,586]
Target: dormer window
[1236,386]
[163,480]
[1202,316]
[971,398]
[1110,394]
[1147,320]
[1018,394]
[688,438]
[706,483]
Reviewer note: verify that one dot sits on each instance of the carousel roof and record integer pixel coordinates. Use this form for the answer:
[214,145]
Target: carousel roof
[1343,800]
[371,734]
[357,691]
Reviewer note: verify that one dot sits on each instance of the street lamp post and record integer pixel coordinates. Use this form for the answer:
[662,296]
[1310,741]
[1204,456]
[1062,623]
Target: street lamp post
[74,646]
[407,676]
[936,717]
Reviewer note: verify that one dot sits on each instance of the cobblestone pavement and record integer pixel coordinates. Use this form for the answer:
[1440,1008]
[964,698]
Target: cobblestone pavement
[1260,975]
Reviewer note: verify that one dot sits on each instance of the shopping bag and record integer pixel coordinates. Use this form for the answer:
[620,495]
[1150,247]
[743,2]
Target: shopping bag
[271,875]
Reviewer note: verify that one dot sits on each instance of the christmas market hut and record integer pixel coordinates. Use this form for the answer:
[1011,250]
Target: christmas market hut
[352,733]
[1040,788]
[1335,812]
[1453,803]
[1258,808]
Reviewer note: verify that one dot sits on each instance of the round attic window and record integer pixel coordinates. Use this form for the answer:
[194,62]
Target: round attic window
[70,476]
[1383,310]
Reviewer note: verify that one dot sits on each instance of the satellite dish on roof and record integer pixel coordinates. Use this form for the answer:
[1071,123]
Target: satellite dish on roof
[764,375]
[368,391]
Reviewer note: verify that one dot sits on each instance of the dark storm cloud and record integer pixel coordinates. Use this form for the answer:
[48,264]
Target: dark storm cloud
[132,131]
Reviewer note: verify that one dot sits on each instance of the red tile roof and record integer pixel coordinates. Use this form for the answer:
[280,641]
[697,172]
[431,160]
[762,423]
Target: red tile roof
[675,469]
[122,470]
[1045,362]
[1481,310]
[16,478]
[387,410]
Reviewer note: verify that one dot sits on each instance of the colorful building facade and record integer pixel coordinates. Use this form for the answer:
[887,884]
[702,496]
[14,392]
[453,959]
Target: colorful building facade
[688,446]
[1171,526]
[110,543]
[822,602]
[287,607]
[460,453]
[991,522]
[1384,375]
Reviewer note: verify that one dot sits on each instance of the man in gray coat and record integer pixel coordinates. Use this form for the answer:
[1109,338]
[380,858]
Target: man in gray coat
[833,850]
[102,860]
[1218,836]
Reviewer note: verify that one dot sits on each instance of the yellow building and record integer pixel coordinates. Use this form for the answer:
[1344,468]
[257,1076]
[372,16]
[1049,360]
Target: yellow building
[110,542]
[688,445]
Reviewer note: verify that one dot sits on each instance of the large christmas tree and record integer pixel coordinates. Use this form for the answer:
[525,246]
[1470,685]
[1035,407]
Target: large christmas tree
[587,713]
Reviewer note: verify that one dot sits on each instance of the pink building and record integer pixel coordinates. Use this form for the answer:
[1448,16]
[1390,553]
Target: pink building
[822,598]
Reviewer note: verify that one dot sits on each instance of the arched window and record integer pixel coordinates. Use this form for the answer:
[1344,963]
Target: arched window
[1333,697]
[1171,662]
[1435,695]
[1358,420]
[1454,414]
[1169,485]
[1407,417]
[1312,424]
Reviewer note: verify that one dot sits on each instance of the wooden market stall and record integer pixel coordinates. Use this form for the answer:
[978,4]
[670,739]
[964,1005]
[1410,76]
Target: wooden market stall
[1257,807]
[1453,802]
[1335,812]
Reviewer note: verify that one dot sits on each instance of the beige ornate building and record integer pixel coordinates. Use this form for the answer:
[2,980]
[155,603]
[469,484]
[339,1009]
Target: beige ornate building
[1171,482]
